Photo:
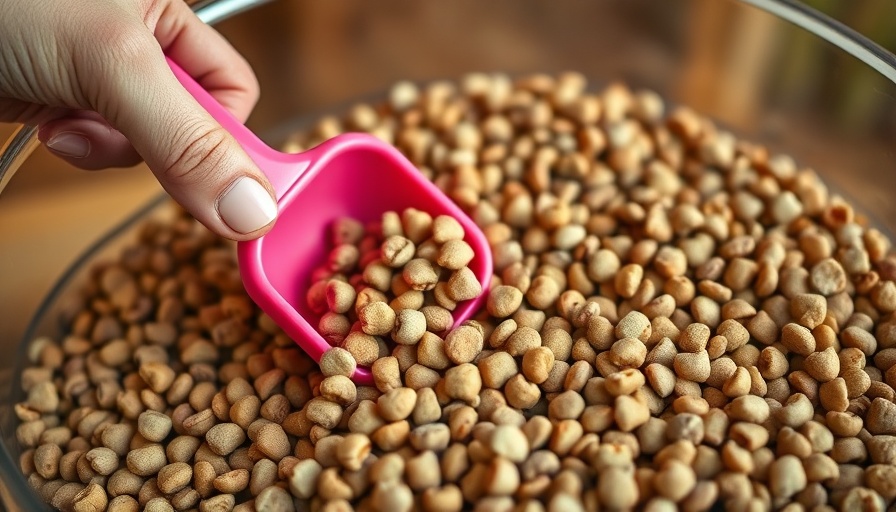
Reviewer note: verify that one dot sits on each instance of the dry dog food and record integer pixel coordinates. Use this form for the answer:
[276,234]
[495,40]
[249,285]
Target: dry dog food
[678,320]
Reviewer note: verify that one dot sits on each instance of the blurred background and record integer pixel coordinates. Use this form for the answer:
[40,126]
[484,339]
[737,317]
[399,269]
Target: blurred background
[763,78]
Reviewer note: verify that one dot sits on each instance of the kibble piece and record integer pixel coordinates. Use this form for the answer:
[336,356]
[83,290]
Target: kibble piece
[224,438]
[808,310]
[694,367]
[798,338]
[694,338]
[881,418]
[153,426]
[463,285]
[629,352]
[397,251]
[786,477]
[420,274]
[503,301]
[678,320]
[303,478]
[537,364]
[147,460]
[464,343]
[749,408]
[828,277]
[272,441]
[397,404]
[91,498]
[337,361]
[174,477]
[823,366]
[455,255]
[377,318]
[616,488]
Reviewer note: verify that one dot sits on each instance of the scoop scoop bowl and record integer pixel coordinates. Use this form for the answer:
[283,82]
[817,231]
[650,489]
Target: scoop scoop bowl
[352,175]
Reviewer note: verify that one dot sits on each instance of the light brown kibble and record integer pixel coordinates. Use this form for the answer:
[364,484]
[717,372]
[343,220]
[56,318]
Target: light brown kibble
[677,319]
[337,361]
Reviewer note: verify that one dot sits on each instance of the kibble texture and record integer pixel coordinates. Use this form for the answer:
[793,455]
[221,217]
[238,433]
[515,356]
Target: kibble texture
[678,319]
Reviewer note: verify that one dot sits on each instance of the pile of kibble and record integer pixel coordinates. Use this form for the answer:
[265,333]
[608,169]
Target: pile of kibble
[678,319]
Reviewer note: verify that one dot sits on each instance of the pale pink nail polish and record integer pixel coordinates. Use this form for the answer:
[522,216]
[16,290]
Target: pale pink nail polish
[69,144]
[247,206]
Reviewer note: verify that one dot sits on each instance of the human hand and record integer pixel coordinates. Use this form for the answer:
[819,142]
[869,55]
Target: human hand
[92,75]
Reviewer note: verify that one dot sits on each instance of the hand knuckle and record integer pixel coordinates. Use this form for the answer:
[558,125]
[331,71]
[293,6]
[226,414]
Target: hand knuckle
[203,153]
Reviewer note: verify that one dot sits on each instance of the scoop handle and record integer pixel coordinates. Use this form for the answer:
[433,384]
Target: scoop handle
[281,169]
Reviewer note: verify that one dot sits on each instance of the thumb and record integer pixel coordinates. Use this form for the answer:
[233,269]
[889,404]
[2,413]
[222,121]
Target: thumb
[196,161]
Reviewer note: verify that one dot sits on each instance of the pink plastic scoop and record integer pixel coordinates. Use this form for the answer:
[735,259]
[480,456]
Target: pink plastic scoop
[354,175]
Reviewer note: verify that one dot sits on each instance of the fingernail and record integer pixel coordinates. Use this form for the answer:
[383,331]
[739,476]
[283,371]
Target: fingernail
[70,144]
[247,206]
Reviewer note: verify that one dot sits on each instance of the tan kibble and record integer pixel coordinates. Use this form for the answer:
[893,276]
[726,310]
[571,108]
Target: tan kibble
[417,224]
[153,426]
[353,450]
[147,460]
[455,254]
[827,277]
[341,389]
[624,382]
[834,395]
[543,292]
[91,498]
[855,337]
[537,364]
[808,310]
[661,378]
[749,408]
[224,438]
[616,488]
[630,412]
[568,405]
[773,363]
[272,441]
[497,369]
[397,404]
[823,366]
[363,348]
[694,367]
[396,251]
[786,477]
[503,301]
[634,325]
[438,319]
[340,296]
[157,375]
[521,393]
[431,351]
[420,274]
[174,477]
[337,361]
[377,318]
[463,285]
[303,478]
[798,338]
[464,343]
[628,279]
[694,338]
[881,418]
[463,382]
[629,352]
[522,340]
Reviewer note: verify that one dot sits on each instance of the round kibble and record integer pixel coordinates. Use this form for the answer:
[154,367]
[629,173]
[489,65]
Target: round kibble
[676,319]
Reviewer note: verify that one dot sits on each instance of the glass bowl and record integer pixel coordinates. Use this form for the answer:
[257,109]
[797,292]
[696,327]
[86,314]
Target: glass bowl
[762,77]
